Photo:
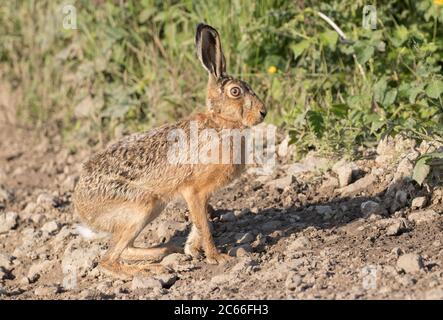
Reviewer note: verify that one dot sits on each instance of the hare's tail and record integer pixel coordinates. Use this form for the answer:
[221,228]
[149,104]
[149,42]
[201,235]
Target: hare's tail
[90,234]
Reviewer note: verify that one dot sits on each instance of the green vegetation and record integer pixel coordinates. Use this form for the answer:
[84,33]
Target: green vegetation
[131,65]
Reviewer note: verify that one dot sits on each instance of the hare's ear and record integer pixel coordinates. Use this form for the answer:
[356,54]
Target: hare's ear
[209,50]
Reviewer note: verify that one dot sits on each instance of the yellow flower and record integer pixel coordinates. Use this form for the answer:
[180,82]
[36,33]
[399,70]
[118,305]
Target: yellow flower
[272,69]
[438,2]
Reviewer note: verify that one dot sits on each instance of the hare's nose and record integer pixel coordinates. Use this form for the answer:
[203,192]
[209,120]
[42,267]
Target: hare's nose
[263,114]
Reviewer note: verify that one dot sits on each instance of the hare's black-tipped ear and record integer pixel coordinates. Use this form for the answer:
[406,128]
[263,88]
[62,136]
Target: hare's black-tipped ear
[209,50]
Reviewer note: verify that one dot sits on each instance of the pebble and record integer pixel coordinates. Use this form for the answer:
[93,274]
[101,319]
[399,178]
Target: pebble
[281,183]
[293,281]
[167,279]
[419,202]
[323,210]
[46,290]
[228,217]
[398,227]
[344,172]
[410,262]
[248,237]
[51,227]
[361,184]
[371,207]
[37,269]
[423,216]
[8,221]
[46,200]
[301,242]
[142,283]
[5,262]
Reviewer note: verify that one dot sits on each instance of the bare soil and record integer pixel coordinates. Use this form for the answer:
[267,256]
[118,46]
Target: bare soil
[302,238]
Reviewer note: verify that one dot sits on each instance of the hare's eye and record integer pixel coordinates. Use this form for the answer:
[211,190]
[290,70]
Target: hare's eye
[235,92]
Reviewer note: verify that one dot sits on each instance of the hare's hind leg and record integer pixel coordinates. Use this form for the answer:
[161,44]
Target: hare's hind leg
[128,222]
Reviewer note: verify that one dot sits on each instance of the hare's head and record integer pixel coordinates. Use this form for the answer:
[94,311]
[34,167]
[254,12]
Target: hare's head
[232,99]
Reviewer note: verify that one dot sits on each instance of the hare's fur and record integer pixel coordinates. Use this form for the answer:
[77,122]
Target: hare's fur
[126,186]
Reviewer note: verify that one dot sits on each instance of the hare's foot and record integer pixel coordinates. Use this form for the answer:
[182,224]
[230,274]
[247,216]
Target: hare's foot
[217,258]
[125,271]
[153,254]
[193,245]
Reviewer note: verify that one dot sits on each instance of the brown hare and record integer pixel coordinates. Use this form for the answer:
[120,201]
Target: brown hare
[126,186]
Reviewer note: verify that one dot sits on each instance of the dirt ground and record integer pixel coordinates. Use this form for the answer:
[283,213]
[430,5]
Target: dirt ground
[316,229]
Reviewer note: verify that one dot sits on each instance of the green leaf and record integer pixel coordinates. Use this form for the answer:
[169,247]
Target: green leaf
[413,93]
[400,36]
[300,47]
[340,110]
[435,89]
[390,97]
[363,52]
[316,122]
[329,38]
[421,170]
[380,89]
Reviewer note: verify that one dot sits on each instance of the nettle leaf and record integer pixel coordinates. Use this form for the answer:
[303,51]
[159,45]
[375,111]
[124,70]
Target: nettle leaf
[401,34]
[413,93]
[390,97]
[316,122]
[363,52]
[380,89]
[435,89]
[421,170]
[300,47]
[422,167]
[329,38]
[340,110]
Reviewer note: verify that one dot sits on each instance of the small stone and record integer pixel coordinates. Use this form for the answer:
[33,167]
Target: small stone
[323,210]
[175,259]
[410,262]
[398,227]
[51,227]
[224,278]
[401,198]
[2,291]
[5,195]
[371,207]
[361,184]
[434,294]
[419,202]
[5,262]
[282,183]
[37,218]
[344,172]
[301,242]
[46,200]
[167,279]
[293,281]
[46,290]
[228,217]
[423,216]
[143,283]
[36,270]
[254,210]
[271,226]
[8,221]
[248,237]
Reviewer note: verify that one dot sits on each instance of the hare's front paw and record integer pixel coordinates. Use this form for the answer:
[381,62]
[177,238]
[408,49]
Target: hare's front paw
[194,250]
[217,258]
